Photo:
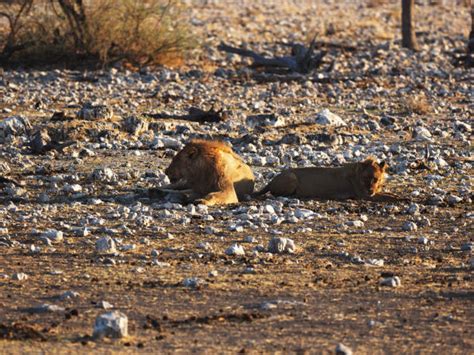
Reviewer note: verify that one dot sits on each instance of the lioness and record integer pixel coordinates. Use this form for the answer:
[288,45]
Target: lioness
[351,181]
[209,172]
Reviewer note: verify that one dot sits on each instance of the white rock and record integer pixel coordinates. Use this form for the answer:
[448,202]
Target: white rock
[160,263]
[269,209]
[104,305]
[422,134]
[69,294]
[259,160]
[264,120]
[105,245]
[414,209]
[34,249]
[423,240]
[280,245]
[74,188]
[46,308]
[204,245]
[171,143]
[453,199]
[356,223]
[342,349]
[53,235]
[14,126]
[236,228]
[249,270]
[192,282]
[82,231]
[104,175]
[326,117]
[303,213]
[266,306]
[20,276]
[250,239]
[211,230]
[235,249]
[94,112]
[391,282]
[374,262]
[409,226]
[112,325]
[4,168]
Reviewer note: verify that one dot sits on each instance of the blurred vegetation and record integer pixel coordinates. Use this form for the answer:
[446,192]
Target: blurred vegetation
[141,32]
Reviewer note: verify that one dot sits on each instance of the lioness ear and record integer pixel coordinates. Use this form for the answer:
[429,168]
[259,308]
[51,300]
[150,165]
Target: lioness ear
[384,166]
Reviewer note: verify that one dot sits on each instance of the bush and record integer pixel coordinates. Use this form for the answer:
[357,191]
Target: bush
[141,32]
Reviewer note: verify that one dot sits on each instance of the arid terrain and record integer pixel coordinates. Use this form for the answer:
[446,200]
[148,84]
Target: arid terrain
[79,235]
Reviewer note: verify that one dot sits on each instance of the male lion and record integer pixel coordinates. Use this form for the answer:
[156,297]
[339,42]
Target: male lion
[351,181]
[209,172]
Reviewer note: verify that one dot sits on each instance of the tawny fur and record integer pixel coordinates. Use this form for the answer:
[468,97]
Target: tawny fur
[213,172]
[351,181]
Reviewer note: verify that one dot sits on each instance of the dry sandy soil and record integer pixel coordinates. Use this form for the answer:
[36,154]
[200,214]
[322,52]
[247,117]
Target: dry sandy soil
[328,291]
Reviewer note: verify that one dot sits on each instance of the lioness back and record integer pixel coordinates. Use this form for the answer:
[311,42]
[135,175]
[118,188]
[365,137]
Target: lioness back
[355,180]
[312,182]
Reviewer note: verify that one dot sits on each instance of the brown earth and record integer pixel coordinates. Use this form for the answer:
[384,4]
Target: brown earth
[306,302]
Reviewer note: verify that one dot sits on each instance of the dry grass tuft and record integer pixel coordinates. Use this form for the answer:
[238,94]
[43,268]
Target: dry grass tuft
[137,31]
[376,3]
[417,104]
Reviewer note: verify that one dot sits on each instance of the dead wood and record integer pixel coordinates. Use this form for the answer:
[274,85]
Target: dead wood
[301,61]
[322,44]
[4,180]
[194,115]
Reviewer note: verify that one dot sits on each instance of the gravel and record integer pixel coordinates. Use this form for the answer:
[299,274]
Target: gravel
[91,195]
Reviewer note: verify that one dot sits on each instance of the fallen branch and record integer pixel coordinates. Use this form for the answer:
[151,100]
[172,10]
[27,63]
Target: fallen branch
[322,44]
[195,115]
[301,61]
[4,180]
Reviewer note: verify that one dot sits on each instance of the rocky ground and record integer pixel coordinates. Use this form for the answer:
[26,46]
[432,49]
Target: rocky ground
[79,236]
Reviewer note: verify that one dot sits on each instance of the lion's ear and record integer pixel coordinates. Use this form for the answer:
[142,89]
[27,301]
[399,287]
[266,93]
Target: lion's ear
[368,163]
[384,166]
[192,152]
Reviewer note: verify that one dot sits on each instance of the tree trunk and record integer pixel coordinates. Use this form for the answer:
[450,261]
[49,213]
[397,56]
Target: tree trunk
[408,30]
[470,43]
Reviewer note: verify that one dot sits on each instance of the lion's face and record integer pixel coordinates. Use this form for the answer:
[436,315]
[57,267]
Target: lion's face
[372,175]
[182,163]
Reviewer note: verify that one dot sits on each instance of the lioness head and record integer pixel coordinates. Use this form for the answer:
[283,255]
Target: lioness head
[372,175]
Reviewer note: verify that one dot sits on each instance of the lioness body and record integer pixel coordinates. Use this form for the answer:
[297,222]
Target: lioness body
[351,181]
[210,172]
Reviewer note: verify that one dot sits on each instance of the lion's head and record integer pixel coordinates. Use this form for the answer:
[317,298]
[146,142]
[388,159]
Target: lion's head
[197,159]
[371,175]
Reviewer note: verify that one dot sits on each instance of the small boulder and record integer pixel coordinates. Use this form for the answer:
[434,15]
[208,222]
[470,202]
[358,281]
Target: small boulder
[235,249]
[105,245]
[14,126]
[327,118]
[279,245]
[94,112]
[111,325]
